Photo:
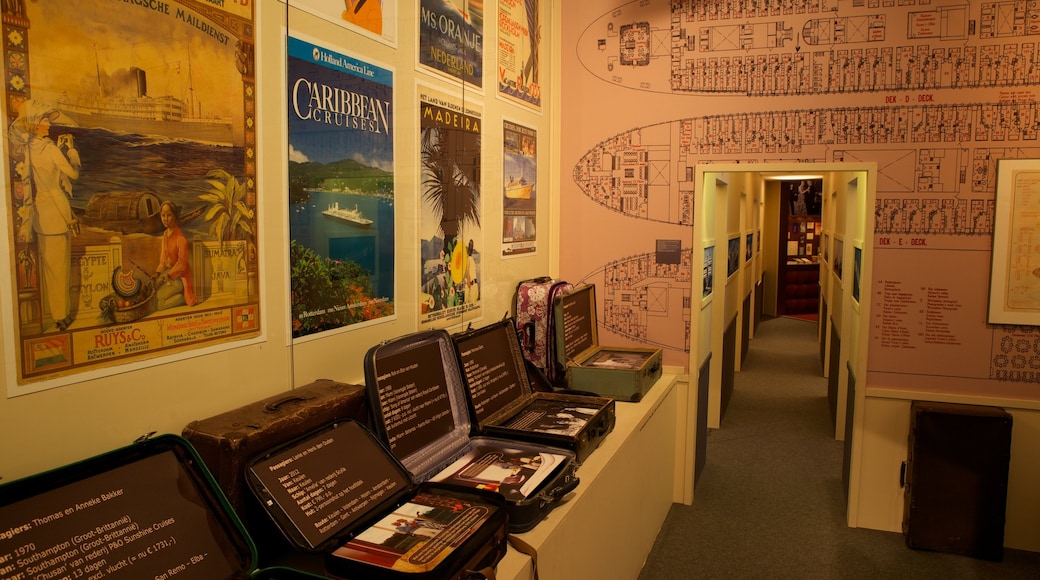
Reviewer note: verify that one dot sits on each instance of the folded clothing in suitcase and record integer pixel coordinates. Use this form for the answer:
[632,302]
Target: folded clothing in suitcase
[338,491]
[621,372]
[502,402]
[420,412]
[148,510]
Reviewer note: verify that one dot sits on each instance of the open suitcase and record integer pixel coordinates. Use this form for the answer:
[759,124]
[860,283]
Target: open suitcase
[624,373]
[420,412]
[338,491]
[503,403]
[148,510]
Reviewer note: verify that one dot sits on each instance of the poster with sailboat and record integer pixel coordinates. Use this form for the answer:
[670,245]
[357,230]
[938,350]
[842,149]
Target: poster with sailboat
[130,185]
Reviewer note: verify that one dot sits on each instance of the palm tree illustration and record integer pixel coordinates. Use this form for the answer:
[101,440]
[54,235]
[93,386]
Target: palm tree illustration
[228,214]
[450,183]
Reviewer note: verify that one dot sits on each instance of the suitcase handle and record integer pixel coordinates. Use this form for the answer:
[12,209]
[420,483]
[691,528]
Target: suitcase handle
[553,495]
[274,406]
[527,336]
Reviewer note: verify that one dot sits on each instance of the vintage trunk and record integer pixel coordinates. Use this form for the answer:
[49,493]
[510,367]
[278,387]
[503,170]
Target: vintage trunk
[624,373]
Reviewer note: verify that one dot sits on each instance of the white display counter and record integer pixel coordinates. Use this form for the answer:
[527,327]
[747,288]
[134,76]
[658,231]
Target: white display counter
[607,526]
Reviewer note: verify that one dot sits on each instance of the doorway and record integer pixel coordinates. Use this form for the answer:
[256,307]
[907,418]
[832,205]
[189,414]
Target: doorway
[739,220]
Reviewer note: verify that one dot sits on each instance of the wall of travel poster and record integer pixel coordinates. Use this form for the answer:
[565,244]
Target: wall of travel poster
[450,209]
[519,190]
[341,189]
[519,51]
[451,39]
[130,218]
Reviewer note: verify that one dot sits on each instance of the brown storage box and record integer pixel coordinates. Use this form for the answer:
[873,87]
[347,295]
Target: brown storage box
[624,373]
[228,441]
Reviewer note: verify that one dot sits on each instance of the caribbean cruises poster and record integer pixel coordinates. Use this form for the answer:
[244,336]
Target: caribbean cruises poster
[450,198]
[131,186]
[341,189]
[519,51]
[451,39]
[520,195]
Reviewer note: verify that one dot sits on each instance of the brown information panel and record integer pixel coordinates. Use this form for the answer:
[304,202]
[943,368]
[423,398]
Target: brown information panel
[491,371]
[143,519]
[328,482]
[415,406]
[577,322]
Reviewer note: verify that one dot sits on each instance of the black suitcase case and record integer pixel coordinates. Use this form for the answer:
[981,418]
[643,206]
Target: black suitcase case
[337,491]
[419,410]
[147,510]
[956,479]
[503,402]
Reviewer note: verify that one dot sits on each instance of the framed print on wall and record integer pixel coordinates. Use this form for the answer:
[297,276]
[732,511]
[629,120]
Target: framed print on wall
[1014,296]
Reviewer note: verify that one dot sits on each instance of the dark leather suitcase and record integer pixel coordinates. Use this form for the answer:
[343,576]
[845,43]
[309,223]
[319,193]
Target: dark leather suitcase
[229,440]
[956,479]
[419,411]
[147,510]
[339,492]
[503,402]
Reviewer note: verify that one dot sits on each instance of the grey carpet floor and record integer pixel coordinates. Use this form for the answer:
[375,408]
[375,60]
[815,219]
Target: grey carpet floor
[771,503]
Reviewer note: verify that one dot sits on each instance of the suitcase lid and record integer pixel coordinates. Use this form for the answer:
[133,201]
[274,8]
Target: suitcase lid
[140,511]
[493,371]
[576,327]
[324,486]
[420,414]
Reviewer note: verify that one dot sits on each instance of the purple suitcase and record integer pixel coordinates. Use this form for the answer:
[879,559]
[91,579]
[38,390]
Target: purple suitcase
[535,325]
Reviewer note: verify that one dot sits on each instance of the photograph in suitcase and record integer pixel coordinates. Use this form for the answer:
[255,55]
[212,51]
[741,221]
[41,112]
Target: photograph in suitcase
[625,373]
[420,412]
[503,403]
[148,510]
[340,492]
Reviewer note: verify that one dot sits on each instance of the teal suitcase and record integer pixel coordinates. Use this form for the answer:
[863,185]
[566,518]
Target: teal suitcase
[623,373]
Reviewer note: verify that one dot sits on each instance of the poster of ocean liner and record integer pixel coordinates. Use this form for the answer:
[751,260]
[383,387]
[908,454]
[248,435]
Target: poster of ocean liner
[451,39]
[341,189]
[130,178]
[519,191]
[450,209]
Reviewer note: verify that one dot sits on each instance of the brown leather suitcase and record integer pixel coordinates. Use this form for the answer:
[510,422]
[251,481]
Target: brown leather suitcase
[228,441]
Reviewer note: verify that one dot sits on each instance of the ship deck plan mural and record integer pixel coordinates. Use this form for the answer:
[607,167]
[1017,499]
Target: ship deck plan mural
[934,92]
[131,180]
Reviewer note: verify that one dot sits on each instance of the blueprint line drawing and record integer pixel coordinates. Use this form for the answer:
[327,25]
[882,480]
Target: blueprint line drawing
[934,92]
